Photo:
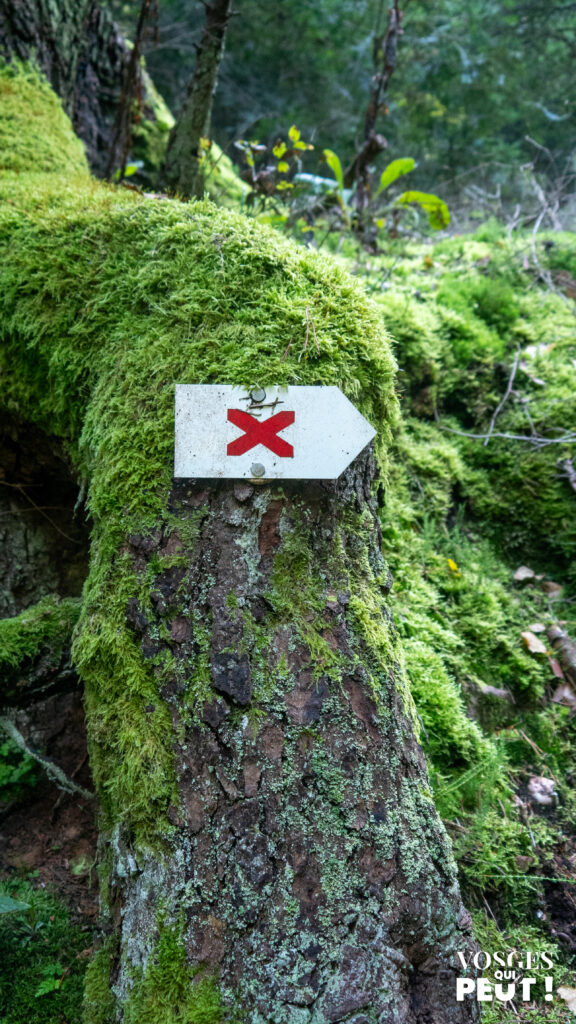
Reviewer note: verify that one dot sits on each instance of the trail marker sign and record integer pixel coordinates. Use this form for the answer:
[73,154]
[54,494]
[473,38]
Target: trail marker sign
[288,433]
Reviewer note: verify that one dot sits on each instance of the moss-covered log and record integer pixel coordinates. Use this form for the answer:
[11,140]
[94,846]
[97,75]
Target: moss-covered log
[271,851]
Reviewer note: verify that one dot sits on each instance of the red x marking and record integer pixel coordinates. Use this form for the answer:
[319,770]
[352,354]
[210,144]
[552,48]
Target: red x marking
[260,432]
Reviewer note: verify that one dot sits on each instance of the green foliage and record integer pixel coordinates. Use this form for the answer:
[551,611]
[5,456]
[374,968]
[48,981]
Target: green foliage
[435,208]
[11,906]
[266,171]
[41,973]
[395,170]
[472,85]
[320,206]
[335,166]
[18,773]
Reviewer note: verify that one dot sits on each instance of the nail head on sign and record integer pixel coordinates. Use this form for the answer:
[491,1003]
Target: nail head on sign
[258,395]
[257,469]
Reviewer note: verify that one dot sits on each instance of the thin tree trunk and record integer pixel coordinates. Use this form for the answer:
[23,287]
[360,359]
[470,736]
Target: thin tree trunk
[183,171]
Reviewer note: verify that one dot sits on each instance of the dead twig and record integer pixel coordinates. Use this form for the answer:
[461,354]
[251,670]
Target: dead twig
[287,349]
[536,440]
[310,324]
[53,771]
[504,399]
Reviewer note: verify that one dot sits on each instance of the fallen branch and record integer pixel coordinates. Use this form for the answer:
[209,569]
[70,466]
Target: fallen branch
[535,439]
[53,771]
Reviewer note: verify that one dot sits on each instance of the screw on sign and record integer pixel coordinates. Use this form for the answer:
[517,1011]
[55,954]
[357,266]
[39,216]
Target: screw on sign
[297,433]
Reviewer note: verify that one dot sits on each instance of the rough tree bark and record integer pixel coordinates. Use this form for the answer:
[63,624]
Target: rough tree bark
[183,170]
[307,859]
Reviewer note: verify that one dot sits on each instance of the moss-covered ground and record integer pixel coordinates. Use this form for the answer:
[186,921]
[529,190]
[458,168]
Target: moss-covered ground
[460,516]
[460,513]
[43,956]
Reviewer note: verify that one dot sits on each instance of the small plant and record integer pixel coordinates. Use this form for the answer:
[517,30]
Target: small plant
[52,977]
[316,205]
[10,906]
[267,169]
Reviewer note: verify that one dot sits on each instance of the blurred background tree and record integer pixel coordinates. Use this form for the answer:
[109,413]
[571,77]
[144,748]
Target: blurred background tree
[473,81]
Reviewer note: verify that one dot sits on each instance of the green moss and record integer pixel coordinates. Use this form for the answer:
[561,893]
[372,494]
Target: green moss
[99,1001]
[458,311]
[35,133]
[221,181]
[151,131]
[523,938]
[450,736]
[169,991]
[48,625]
[43,630]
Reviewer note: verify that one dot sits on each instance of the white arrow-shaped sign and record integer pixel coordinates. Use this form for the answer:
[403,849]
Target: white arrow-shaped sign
[289,433]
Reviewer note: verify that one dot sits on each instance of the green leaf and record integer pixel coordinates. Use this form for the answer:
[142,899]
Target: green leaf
[52,980]
[294,134]
[334,164]
[298,144]
[279,150]
[436,208]
[283,166]
[10,906]
[395,170]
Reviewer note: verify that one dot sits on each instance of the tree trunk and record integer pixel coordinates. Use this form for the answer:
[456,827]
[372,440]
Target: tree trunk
[78,47]
[183,168]
[307,869]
